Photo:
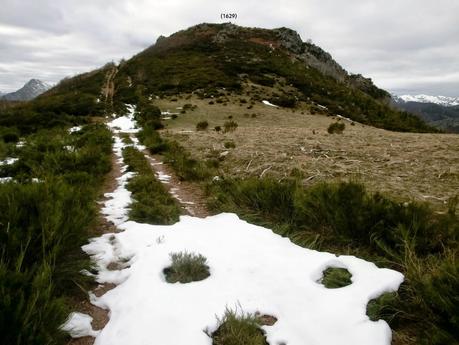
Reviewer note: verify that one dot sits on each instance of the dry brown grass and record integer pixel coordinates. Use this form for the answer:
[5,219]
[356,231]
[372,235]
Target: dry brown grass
[276,141]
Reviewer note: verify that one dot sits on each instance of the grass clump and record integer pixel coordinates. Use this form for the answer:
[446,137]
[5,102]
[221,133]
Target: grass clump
[186,268]
[234,329]
[336,128]
[335,277]
[229,145]
[202,125]
[151,202]
[230,126]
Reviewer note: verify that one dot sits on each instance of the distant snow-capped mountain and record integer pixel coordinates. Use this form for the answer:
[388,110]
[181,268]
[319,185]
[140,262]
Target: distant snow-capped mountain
[30,90]
[440,100]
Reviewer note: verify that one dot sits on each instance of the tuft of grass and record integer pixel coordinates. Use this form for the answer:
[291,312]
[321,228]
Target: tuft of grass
[336,128]
[230,126]
[335,277]
[229,145]
[237,329]
[202,125]
[186,268]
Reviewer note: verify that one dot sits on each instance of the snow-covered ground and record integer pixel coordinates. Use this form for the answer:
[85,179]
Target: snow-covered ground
[251,269]
[441,100]
[124,123]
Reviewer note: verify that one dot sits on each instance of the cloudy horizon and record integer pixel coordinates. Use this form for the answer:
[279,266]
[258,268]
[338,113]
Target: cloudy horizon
[407,47]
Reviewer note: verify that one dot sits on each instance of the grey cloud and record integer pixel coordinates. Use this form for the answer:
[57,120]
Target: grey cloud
[402,45]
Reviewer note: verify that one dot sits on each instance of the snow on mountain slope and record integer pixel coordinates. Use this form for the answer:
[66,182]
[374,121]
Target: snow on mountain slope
[441,100]
[30,90]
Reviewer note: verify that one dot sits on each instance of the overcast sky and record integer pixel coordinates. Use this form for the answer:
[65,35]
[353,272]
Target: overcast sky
[405,46]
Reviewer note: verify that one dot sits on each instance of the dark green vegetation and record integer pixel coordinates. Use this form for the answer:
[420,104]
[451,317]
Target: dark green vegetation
[43,223]
[345,218]
[71,102]
[334,277]
[186,268]
[202,125]
[209,57]
[151,201]
[336,128]
[186,167]
[445,118]
[237,329]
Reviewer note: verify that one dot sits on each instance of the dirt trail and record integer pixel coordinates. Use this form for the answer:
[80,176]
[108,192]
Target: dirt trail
[108,89]
[190,196]
[99,315]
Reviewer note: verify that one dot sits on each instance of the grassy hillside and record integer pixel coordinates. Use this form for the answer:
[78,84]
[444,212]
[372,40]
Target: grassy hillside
[208,58]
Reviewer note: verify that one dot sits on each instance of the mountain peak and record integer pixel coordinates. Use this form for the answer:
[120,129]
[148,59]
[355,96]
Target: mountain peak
[30,90]
[422,98]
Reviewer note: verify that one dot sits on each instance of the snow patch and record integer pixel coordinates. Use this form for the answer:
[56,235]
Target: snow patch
[75,129]
[79,325]
[250,266]
[9,161]
[126,123]
[270,104]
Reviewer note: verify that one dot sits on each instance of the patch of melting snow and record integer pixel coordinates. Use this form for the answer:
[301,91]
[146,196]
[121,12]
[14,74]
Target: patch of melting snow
[250,267]
[169,113]
[9,161]
[125,123]
[6,179]
[79,325]
[270,104]
[20,143]
[75,129]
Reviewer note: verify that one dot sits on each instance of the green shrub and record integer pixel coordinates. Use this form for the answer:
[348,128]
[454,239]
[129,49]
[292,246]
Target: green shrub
[218,128]
[236,329]
[336,128]
[202,125]
[151,203]
[230,126]
[186,268]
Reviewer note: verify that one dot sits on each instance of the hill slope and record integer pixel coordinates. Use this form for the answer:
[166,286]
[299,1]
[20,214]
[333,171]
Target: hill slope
[209,57]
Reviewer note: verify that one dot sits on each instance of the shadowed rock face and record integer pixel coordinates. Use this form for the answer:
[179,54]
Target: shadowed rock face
[30,90]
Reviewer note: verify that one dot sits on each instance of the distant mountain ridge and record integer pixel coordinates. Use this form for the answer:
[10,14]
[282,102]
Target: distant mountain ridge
[439,111]
[440,100]
[30,90]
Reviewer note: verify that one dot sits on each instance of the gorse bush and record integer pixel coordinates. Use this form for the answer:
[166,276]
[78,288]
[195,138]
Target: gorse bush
[186,268]
[336,128]
[42,227]
[202,125]
[411,238]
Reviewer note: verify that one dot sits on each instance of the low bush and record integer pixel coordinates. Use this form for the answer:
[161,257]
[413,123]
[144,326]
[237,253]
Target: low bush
[186,268]
[230,126]
[202,125]
[43,225]
[151,201]
[229,145]
[336,128]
